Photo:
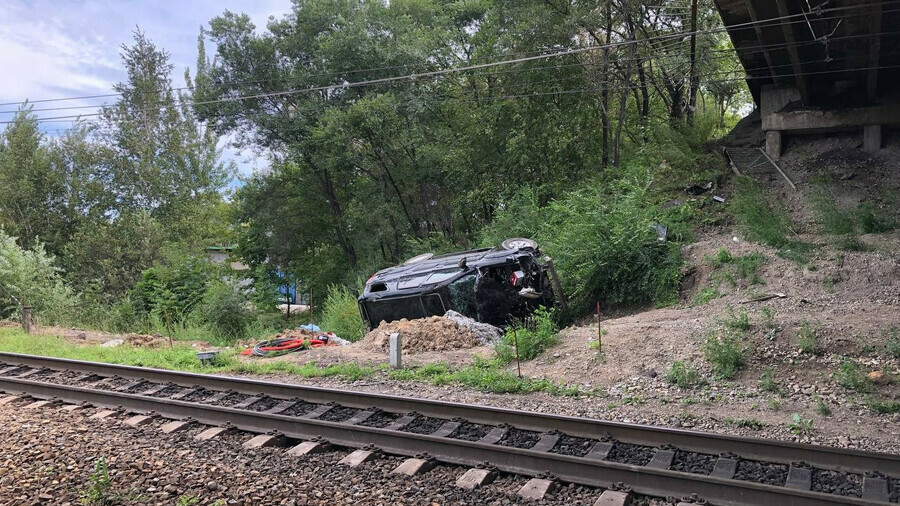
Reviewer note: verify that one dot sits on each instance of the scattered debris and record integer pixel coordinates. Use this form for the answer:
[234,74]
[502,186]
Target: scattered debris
[485,332]
[765,297]
[877,377]
[698,189]
[719,199]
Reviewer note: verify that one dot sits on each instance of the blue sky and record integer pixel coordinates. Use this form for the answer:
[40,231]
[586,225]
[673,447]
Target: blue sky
[57,49]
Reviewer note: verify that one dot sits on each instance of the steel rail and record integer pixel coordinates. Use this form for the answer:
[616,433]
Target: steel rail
[585,471]
[782,452]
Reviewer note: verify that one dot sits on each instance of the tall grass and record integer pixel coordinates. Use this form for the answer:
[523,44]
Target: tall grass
[340,314]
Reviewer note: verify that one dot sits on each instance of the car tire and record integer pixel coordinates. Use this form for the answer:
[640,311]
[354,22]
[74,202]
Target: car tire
[418,258]
[519,243]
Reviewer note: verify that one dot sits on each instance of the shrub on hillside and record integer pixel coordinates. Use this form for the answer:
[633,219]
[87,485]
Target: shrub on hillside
[340,314]
[529,339]
[603,242]
[226,310]
[28,277]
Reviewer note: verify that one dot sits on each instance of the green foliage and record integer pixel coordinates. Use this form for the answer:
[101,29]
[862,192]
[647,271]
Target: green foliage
[892,341]
[738,321]
[884,407]
[529,340]
[822,407]
[872,220]
[98,490]
[226,309]
[187,500]
[831,220]
[603,244]
[340,314]
[767,381]
[28,277]
[800,426]
[729,268]
[684,374]
[808,339]
[724,354]
[851,376]
[169,292]
[760,219]
[705,295]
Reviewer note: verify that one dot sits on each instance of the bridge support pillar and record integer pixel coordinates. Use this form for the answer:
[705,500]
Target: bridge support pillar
[872,138]
[773,144]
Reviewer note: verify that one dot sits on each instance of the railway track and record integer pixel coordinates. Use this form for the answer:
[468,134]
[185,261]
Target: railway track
[652,461]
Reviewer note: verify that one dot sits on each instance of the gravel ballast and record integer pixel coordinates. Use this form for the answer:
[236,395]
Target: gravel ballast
[49,456]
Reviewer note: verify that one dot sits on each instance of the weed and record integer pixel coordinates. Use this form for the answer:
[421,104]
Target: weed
[760,219]
[705,295]
[851,376]
[884,407]
[892,342]
[850,242]
[737,321]
[746,423]
[187,500]
[723,256]
[808,339]
[748,267]
[633,400]
[340,314]
[822,407]
[800,426]
[828,284]
[797,252]
[767,381]
[832,221]
[529,343]
[684,374]
[774,403]
[768,315]
[724,354]
[871,222]
[97,492]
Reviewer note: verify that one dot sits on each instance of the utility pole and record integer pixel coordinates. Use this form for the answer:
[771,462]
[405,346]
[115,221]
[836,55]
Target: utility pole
[695,83]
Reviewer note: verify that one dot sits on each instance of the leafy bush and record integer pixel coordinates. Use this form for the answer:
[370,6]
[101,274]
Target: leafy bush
[530,341]
[800,426]
[808,339]
[226,309]
[767,381]
[168,292]
[340,314]
[28,277]
[724,354]
[736,320]
[851,376]
[603,243]
[684,374]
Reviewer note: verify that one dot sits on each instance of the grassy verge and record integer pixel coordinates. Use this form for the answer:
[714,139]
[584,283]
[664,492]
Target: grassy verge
[483,375]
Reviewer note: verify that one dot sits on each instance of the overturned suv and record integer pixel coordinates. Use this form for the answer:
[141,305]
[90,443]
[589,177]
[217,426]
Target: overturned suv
[491,285]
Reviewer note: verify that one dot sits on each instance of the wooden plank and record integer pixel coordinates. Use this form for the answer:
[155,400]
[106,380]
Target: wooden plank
[762,40]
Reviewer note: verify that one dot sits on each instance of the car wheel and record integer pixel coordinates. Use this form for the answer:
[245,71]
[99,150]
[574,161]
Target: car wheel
[418,258]
[519,243]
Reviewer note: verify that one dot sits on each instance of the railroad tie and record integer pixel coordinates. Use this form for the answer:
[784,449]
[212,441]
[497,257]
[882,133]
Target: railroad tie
[495,435]
[614,498]
[446,429]
[281,407]
[213,432]
[316,445]
[360,457]
[663,457]
[273,438]
[103,414]
[176,425]
[477,477]
[38,404]
[537,488]
[419,464]
[138,420]
[799,476]
[9,399]
[726,466]
[361,417]
[547,442]
[600,450]
[875,487]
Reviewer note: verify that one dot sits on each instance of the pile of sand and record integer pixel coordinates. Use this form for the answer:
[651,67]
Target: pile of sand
[436,333]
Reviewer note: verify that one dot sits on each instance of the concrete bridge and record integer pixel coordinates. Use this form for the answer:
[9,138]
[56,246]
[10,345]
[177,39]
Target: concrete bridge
[819,65]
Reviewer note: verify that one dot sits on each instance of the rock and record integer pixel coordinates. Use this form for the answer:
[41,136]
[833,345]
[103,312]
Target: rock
[112,343]
[877,377]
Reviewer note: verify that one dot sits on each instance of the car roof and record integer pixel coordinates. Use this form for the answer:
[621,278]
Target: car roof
[474,258]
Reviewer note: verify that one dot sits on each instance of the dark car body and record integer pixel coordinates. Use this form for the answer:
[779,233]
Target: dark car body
[492,285]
